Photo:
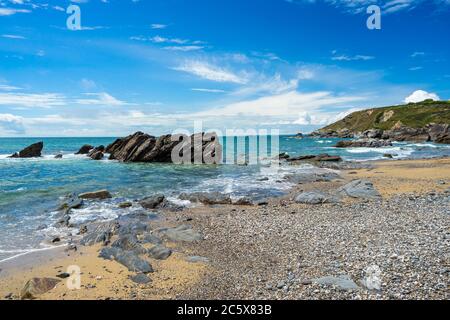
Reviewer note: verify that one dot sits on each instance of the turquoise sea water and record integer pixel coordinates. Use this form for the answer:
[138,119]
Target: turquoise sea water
[30,189]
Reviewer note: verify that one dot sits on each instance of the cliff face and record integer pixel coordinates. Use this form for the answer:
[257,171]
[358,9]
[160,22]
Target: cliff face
[424,121]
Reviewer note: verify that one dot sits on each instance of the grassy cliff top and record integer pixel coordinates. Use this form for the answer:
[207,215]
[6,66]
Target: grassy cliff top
[414,115]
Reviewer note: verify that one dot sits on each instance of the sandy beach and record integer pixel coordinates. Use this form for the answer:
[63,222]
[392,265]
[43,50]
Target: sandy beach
[283,249]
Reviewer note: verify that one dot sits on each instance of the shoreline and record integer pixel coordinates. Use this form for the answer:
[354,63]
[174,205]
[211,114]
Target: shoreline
[393,179]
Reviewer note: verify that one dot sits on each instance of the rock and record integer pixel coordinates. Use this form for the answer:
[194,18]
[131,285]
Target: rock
[363,189]
[100,194]
[152,202]
[59,156]
[197,259]
[315,197]
[388,155]
[149,238]
[9,296]
[140,147]
[343,282]
[37,286]
[209,198]
[319,175]
[283,155]
[182,233]
[64,221]
[71,201]
[85,149]
[364,143]
[124,205]
[244,201]
[101,232]
[373,134]
[83,230]
[408,134]
[56,239]
[97,155]
[140,278]
[341,133]
[63,275]
[320,158]
[128,243]
[128,259]
[42,227]
[32,151]
[159,252]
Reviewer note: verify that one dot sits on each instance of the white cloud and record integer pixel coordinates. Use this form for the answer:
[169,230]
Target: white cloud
[208,90]
[13,36]
[158,26]
[101,98]
[11,11]
[417,54]
[44,100]
[184,48]
[6,87]
[210,72]
[421,95]
[352,58]
[11,124]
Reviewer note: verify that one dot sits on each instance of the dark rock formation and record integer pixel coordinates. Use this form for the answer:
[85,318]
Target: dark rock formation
[141,147]
[152,202]
[320,157]
[32,151]
[97,153]
[364,143]
[85,149]
[341,133]
[210,198]
[127,258]
[100,194]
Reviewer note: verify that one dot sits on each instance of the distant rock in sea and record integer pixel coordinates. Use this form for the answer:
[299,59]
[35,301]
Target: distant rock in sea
[32,151]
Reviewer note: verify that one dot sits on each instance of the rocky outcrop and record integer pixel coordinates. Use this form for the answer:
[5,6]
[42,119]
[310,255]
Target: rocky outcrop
[320,158]
[341,133]
[315,197]
[209,198]
[85,149]
[97,153]
[32,151]
[364,143]
[141,147]
[439,133]
[128,259]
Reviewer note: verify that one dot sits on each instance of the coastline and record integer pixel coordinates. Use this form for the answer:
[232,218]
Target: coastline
[226,227]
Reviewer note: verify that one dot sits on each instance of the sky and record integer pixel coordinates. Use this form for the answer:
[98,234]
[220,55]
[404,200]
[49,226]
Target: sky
[160,65]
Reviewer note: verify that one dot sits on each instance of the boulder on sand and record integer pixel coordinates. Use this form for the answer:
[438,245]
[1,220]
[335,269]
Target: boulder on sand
[152,202]
[128,259]
[315,197]
[37,286]
[32,151]
[363,189]
[209,198]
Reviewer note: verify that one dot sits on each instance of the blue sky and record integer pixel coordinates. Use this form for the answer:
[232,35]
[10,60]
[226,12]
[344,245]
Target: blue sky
[156,66]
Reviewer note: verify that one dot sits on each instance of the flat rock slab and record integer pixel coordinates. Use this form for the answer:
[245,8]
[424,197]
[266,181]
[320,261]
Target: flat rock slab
[140,278]
[182,233]
[100,194]
[37,286]
[150,238]
[159,252]
[343,282]
[315,197]
[128,259]
[197,259]
[312,176]
[128,243]
[363,189]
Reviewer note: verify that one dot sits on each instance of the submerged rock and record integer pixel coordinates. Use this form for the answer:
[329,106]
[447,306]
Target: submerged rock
[37,286]
[59,156]
[152,202]
[32,151]
[71,201]
[100,194]
[363,189]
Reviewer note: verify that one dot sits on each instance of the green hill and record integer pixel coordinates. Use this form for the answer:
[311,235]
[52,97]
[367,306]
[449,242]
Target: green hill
[413,115]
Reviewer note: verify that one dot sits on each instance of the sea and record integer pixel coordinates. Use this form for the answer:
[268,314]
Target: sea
[31,189]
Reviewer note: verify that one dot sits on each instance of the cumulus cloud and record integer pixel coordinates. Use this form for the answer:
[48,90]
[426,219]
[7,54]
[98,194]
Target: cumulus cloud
[421,95]
[10,123]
